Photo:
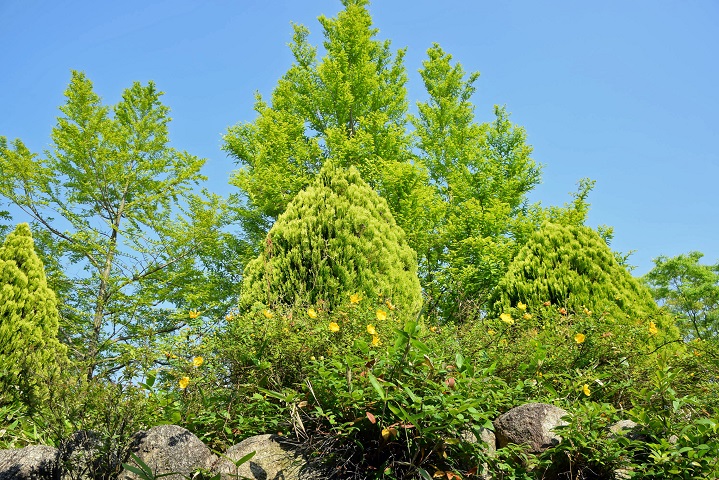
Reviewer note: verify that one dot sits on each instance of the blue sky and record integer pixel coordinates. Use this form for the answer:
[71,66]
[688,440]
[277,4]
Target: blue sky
[625,93]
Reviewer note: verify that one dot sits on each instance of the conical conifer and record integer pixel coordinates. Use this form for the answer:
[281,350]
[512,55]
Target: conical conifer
[572,268]
[29,348]
[336,238]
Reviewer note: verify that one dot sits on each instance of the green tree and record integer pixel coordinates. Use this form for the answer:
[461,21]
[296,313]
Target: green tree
[482,172]
[689,290]
[573,268]
[30,352]
[335,239]
[118,206]
[349,106]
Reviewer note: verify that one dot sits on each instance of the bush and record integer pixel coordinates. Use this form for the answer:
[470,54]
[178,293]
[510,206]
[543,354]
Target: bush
[572,268]
[335,239]
[399,413]
[29,349]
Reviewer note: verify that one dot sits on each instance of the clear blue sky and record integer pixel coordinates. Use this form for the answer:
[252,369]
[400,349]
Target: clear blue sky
[626,93]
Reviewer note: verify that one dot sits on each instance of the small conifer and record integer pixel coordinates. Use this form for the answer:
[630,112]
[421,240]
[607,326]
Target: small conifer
[572,268]
[336,238]
[29,348]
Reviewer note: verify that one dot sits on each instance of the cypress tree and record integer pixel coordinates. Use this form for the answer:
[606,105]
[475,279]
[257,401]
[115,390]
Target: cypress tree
[29,348]
[573,268]
[336,238]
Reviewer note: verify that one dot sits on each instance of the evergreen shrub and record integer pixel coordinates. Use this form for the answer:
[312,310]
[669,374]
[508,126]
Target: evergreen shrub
[30,352]
[334,267]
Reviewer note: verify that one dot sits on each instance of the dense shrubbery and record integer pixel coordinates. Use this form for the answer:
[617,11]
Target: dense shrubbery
[402,400]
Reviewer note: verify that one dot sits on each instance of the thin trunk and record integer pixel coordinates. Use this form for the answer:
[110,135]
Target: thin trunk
[103,295]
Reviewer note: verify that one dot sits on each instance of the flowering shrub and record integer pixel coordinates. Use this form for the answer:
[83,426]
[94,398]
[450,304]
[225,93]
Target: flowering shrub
[397,413]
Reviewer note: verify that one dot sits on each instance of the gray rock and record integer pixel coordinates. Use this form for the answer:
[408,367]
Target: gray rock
[271,461]
[486,436]
[169,449]
[531,424]
[490,439]
[488,442]
[626,428]
[36,462]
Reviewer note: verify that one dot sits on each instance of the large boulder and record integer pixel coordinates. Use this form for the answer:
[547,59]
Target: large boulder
[531,424]
[271,460]
[169,449]
[36,462]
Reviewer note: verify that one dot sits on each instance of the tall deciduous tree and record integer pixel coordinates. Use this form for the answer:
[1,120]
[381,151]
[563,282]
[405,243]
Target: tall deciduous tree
[118,205]
[349,106]
[29,349]
[690,290]
[483,173]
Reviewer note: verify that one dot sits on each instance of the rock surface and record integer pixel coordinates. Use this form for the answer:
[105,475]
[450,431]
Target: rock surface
[531,424]
[36,462]
[169,449]
[271,460]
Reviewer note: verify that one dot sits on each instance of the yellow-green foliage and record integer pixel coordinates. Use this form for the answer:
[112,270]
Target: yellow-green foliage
[336,238]
[29,349]
[571,267]
[335,267]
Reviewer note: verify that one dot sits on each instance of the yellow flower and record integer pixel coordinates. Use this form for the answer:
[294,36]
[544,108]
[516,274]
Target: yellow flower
[579,338]
[506,318]
[587,311]
[375,340]
[194,314]
[527,316]
[389,305]
[355,298]
[585,390]
[267,313]
[433,329]
[371,330]
[653,330]
[334,327]
[491,332]
[197,361]
[381,315]
[229,317]
[521,306]
[184,382]
[312,313]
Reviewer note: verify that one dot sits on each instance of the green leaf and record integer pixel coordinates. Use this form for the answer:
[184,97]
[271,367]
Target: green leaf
[377,387]
[459,359]
[423,473]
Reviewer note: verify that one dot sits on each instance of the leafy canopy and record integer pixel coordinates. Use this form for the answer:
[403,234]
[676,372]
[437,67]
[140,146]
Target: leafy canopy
[689,290]
[112,198]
